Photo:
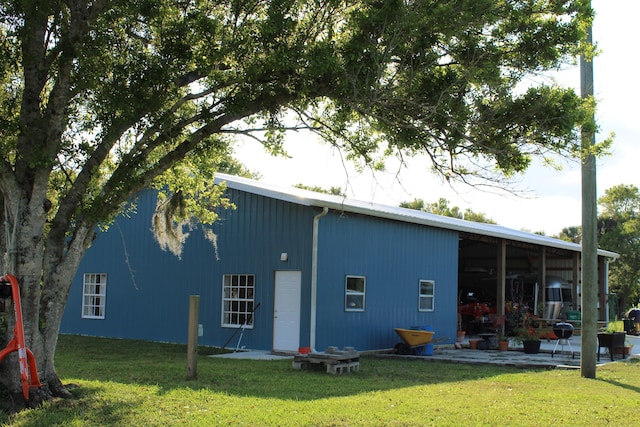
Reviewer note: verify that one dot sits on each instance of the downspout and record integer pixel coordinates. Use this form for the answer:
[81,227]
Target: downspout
[314,279]
[607,261]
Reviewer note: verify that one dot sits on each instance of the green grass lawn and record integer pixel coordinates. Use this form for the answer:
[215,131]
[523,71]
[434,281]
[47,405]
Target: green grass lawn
[132,383]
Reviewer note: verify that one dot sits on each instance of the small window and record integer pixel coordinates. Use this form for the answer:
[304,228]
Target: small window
[237,300]
[94,295]
[426,297]
[354,294]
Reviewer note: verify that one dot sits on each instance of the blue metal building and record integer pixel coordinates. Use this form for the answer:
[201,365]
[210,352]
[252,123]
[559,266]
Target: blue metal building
[293,269]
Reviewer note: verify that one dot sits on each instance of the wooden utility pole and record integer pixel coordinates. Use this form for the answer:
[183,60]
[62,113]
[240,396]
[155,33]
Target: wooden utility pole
[589,231]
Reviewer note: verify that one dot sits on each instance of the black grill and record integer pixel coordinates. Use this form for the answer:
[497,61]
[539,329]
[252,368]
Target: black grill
[563,330]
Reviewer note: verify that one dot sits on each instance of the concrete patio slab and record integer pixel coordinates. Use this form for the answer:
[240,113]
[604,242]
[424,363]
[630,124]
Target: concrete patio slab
[513,357]
[563,358]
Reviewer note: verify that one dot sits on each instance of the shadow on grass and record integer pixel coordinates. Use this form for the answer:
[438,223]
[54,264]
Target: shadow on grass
[632,388]
[635,389]
[86,408]
[164,366]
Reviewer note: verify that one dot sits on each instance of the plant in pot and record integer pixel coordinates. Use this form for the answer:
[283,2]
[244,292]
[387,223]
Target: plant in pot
[530,340]
[612,339]
[503,340]
[626,350]
[528,335]
[627,347]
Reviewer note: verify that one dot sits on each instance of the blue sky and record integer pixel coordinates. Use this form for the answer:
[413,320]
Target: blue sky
[551,198]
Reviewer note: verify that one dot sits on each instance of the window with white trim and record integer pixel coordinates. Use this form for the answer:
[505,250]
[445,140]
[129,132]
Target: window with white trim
[355,287]
[426,296]
[94,295]
[237,300]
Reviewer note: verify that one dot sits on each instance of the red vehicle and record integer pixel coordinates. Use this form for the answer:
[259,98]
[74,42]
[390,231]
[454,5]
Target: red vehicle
[475,303]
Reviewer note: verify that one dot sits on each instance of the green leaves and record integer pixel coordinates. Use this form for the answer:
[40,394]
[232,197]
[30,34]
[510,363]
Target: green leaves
[441,207]
[445,79]
[193,178]
[109,100]
[619,228]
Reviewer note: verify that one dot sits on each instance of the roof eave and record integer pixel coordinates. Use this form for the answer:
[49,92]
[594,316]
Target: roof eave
[343,204]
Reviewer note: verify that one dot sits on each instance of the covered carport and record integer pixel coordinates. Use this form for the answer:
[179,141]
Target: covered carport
[492,257]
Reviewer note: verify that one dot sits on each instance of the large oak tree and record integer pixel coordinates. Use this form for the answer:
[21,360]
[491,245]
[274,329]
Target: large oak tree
[100,99]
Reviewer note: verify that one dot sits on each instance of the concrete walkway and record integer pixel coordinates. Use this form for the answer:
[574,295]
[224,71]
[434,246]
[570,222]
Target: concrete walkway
[252,355]
[513,357]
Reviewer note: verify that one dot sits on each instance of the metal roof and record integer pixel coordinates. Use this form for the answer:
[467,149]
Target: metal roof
[343,204]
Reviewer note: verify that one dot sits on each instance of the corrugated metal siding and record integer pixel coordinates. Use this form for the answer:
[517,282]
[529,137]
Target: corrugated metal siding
[395,213]
[250,240]
[560,267]
[394,257]
[148,298]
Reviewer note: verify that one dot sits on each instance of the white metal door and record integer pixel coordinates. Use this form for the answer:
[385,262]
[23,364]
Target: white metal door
[286,311]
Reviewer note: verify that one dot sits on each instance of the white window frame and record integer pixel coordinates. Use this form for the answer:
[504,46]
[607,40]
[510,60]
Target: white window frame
[238,300]
[94,295]
[351,295]
[427,297]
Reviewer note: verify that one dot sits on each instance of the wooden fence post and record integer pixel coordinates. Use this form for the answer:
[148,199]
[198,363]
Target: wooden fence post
[192,345]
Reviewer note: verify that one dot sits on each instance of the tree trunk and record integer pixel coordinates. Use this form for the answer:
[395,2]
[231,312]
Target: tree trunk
[54,298]
[45,278]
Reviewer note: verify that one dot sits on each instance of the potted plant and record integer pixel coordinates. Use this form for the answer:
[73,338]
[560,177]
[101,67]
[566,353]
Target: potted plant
[473,343]
[626,350]
[503,341]
[528,335]
[613,339]
[530,340]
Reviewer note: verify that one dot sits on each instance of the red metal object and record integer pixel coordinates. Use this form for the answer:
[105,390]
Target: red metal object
[28,368]
[474,309]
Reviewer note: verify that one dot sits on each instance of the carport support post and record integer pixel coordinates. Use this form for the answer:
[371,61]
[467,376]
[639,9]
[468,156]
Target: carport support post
[542,282]
[501,268]
[192,344]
